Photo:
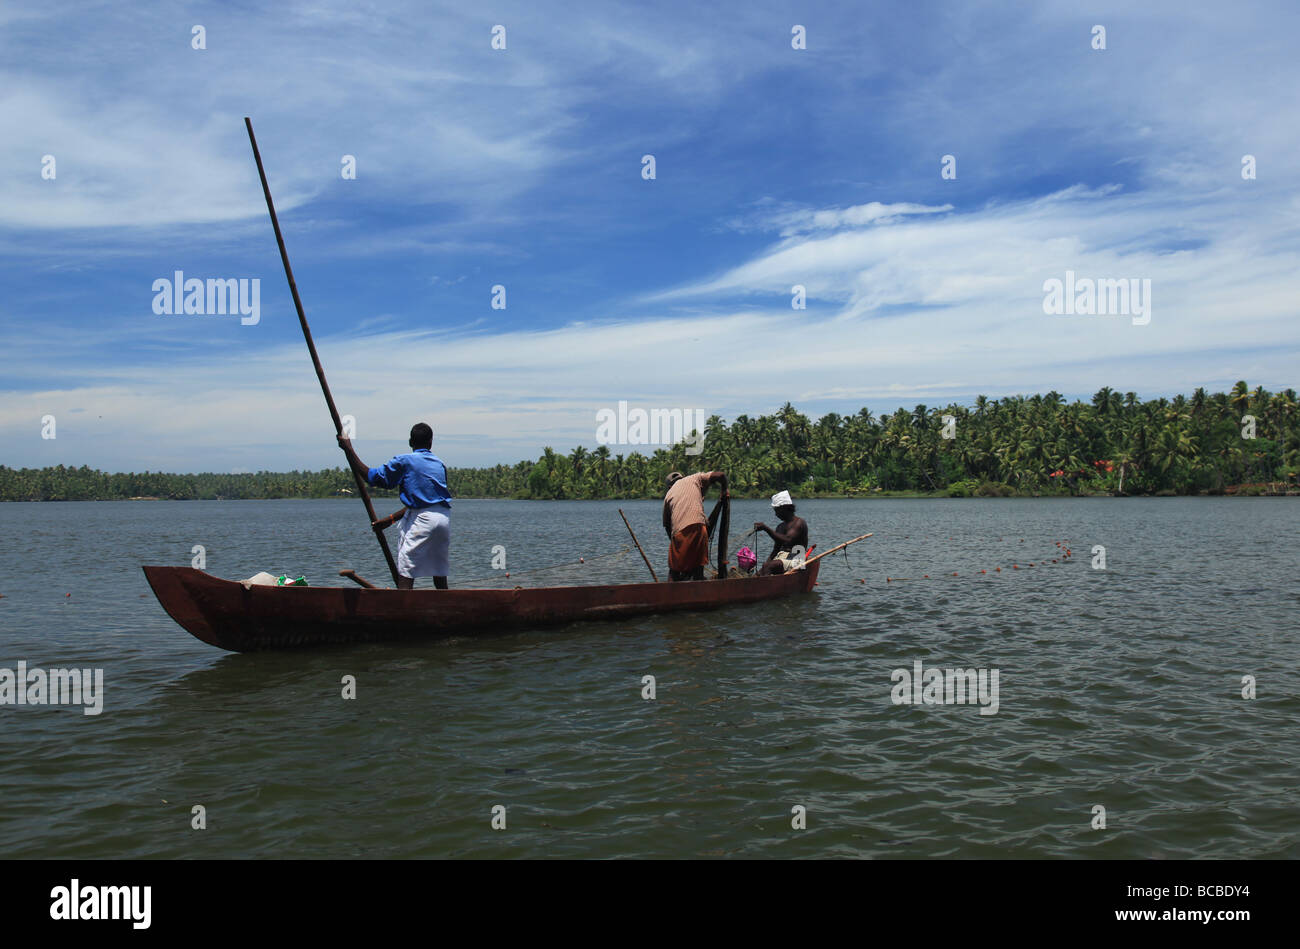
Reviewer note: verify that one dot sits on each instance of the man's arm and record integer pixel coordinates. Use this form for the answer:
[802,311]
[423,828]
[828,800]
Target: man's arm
[668,521]
[354,462]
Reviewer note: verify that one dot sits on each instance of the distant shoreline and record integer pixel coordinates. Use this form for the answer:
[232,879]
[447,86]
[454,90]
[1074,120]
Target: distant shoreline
[1240,442]
[882,496]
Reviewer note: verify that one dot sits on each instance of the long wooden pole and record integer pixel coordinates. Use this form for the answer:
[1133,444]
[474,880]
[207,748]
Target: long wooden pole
[638,545]
[311,348]
[847,543]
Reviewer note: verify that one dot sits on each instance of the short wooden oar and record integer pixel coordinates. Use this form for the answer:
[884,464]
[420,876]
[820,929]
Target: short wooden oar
[847,543]
[638,545]
[352,575]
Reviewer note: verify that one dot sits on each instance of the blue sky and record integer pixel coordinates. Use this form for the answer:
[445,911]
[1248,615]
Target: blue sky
[522,167]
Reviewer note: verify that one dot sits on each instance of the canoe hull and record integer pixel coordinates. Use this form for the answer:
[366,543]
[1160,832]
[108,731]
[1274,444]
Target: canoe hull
[226,614]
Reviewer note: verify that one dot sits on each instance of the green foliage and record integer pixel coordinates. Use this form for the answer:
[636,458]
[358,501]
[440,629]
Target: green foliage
[1014,445]
[962,489]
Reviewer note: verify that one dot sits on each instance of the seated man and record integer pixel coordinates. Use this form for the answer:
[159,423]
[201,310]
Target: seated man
[425,540]
[685,523]
[791,533]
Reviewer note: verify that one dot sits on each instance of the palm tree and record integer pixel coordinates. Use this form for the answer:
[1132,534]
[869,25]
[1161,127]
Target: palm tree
[1240,398]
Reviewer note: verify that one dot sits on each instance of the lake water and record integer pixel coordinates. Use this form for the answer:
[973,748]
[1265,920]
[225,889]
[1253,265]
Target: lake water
[1119,687]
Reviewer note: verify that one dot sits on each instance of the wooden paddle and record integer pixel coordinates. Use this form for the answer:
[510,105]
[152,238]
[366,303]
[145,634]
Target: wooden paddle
[311,348]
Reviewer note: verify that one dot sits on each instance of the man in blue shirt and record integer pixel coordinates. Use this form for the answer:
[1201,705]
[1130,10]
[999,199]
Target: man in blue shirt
[426,526]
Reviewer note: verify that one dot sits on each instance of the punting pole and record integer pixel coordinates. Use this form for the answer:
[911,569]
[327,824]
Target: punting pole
[311,348]
[847,543]
[638,545]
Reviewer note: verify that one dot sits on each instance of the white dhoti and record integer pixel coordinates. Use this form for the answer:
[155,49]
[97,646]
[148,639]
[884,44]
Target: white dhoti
[425,543]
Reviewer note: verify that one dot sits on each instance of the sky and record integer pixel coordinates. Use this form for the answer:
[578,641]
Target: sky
[125,159]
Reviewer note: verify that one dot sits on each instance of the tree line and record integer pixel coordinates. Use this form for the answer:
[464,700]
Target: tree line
[1242,441]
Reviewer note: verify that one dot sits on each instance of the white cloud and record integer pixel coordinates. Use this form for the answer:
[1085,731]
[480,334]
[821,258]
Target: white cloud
[933,308]
[414,91]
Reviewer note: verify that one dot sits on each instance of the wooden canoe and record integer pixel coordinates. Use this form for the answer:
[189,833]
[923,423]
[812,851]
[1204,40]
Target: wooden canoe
[226,614]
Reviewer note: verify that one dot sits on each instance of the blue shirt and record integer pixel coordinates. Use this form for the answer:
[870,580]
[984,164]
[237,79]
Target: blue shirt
[421,476]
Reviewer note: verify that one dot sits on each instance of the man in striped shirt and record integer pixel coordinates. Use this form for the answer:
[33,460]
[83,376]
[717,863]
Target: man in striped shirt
[684,521]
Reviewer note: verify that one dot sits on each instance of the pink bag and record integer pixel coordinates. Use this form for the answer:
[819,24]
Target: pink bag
[745,559]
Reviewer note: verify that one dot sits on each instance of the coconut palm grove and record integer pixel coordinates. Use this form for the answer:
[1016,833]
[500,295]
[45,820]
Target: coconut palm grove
[1246,441]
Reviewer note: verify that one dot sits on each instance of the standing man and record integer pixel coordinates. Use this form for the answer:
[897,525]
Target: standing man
[792,532]
[684,521]
[423,550]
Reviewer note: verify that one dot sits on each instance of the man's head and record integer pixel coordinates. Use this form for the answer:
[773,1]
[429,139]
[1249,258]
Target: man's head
[783,505]
[672,479]
[421,436]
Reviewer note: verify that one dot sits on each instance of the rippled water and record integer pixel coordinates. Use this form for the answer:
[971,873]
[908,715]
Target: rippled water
[1119,688]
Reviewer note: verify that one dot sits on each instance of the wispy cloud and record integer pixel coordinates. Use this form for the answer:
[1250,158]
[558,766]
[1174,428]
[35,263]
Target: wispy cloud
[940,307]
